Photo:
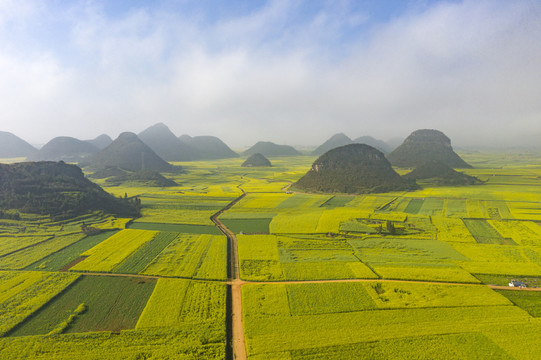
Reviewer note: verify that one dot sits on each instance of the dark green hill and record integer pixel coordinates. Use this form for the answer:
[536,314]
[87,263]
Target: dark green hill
[352,169]
[334,141]
[375,143]
[438,173]
[270,149]
[207,147]
[165,144]
[12,146]
[57,189]
[128,152]
[143,178]
[64,148]
[101,142]
[256,160]
[423,146]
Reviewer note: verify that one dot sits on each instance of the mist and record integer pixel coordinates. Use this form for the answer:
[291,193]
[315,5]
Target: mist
[292,72]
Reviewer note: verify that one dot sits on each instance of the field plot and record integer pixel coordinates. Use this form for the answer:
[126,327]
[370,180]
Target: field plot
[296,222]
[112,304]
[27,256]
[248,226]
[105,256]
[181,228]
[22,293]
[300,320]
[525,233]
[138,261]
[271,257]
[405,251]
[259,258]
[58,260]
[484,233]
[176,302]
[527,300]
[192,256]
[499,259]
[452,230]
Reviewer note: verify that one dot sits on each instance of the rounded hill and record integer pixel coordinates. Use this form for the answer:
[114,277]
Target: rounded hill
[208,147]
[101,142]
[57,189]
[128,152]
[165,144]
[352,169]
[270,149]
[13,146]
[64,148]
[334,141]
[257,160]
[423,146]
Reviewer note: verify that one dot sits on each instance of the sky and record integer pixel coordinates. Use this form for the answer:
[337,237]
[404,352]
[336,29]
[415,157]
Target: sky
[289,71]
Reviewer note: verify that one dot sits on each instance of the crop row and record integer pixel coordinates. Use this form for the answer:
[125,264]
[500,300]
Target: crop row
[105,256]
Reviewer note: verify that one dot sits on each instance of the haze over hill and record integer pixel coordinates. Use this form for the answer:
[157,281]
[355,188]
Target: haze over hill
[341,139]
[375,143]
[166,144]
[64,148]
[130,153]
[56,189]
[270,149]
[334,141]
[423,146]
[352,169]
[101,142]
[12,146]
[208,147]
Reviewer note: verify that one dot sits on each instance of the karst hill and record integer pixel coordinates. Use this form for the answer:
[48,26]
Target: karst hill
[57,189]
[334,141]
[256,160]
[423,146]
[101,142]
[208,147]
[352,169]
[12,146]
[64,148]
[270,149]
[166,144]
[128,152]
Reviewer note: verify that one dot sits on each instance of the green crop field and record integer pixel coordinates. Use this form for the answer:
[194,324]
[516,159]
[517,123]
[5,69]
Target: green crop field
[322,276]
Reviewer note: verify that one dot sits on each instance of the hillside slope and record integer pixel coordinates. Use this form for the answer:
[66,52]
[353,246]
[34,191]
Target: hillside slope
[57,189]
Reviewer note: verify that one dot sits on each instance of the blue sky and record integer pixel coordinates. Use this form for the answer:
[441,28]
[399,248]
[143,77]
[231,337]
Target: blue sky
[289,71]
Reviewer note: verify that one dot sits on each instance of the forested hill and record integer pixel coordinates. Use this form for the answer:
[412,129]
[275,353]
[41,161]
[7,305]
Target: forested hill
[56,189]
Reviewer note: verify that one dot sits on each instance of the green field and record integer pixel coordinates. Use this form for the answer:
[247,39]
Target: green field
[322,276]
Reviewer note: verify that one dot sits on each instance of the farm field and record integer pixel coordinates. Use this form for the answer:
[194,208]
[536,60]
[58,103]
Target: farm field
[394,275]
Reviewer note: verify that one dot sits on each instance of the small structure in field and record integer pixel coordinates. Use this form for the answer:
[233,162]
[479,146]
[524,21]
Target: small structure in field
[519,284]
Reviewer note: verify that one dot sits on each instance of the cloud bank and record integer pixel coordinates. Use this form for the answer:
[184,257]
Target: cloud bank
[286,71]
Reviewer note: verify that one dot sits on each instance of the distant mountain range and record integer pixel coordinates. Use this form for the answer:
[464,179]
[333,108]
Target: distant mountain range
[64,148]
[341,139]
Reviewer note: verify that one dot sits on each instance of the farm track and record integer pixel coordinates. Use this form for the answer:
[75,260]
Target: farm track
[234,313]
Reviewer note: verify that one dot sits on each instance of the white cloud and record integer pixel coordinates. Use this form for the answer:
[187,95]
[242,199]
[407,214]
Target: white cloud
[470,69]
